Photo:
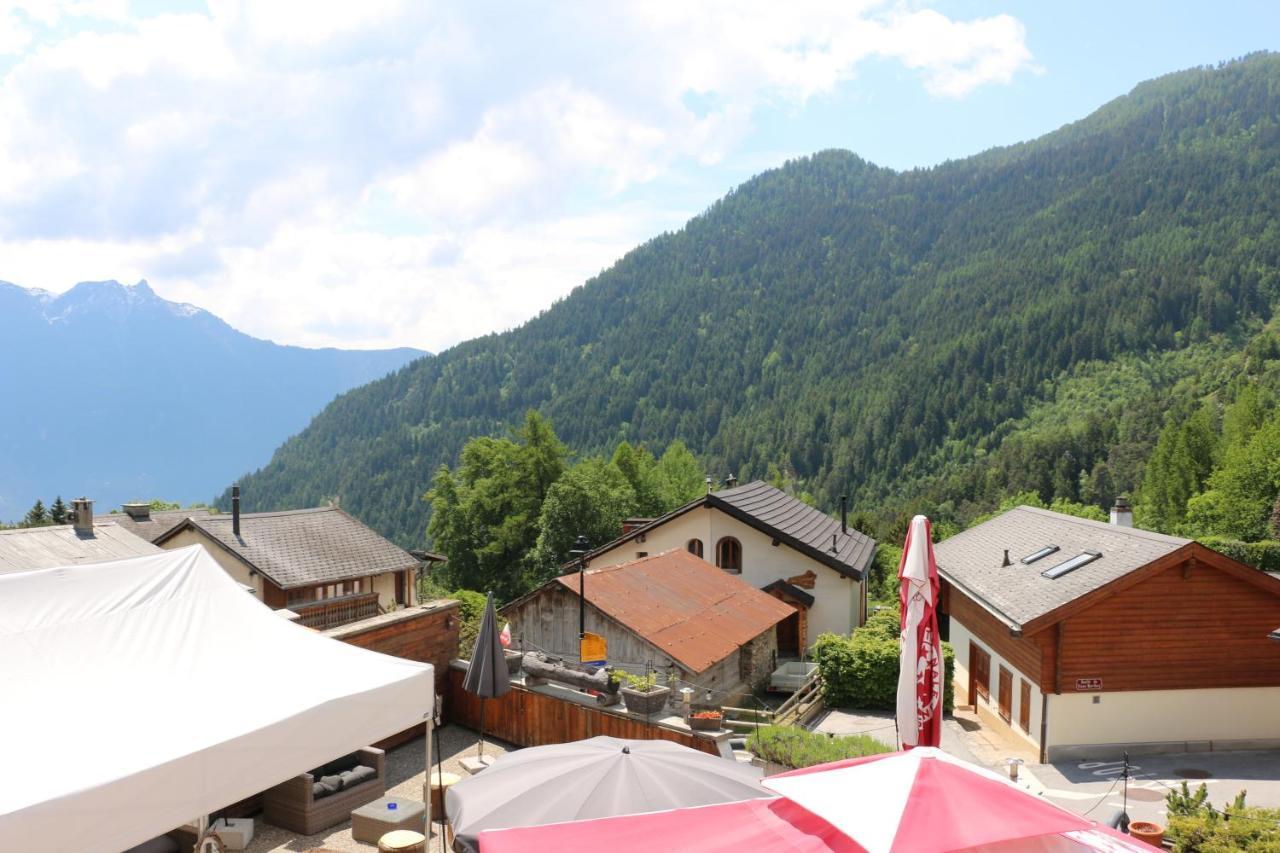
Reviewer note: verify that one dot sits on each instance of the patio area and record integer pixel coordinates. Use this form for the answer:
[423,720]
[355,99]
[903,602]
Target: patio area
[404,779]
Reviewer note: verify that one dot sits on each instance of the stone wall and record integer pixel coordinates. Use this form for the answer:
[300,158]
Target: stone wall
[757,658]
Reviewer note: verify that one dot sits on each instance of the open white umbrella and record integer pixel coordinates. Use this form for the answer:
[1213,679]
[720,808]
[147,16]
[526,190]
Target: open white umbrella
[594,778]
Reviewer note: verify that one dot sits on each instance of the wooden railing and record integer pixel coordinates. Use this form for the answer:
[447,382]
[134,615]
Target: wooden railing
[528,718]
[333,612]
[803,704]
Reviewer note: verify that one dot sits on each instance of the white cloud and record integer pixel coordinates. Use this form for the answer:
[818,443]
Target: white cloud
[393,172]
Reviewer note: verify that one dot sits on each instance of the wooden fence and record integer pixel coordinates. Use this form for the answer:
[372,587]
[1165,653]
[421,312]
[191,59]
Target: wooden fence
[528,718]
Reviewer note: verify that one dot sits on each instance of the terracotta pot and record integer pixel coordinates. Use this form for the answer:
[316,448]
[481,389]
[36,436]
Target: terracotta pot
[1147,832]
[706,724]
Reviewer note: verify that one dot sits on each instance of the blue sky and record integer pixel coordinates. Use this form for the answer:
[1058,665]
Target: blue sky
[396,172]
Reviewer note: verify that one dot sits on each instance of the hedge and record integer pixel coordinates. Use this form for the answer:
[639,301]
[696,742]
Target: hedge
[795,747]
[1196,826]
[862,671]
[1263,555]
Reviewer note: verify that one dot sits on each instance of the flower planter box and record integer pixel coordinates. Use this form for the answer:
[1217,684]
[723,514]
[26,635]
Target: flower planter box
[645,703]
[514,659]
[706,724]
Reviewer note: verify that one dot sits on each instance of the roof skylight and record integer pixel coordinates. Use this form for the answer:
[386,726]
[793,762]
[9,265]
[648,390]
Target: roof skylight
[1071,565]
[1037,555]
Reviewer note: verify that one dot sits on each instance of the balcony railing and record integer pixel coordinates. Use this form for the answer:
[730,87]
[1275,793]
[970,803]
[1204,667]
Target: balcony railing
[333,612]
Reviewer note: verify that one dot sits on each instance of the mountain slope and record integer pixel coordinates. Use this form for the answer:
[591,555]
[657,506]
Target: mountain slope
[853,324]
[112,392]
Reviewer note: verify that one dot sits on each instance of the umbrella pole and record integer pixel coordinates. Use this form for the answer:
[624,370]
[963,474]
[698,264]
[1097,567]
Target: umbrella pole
[480,749]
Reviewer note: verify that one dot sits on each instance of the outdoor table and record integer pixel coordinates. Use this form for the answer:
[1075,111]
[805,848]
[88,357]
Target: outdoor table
[371,822]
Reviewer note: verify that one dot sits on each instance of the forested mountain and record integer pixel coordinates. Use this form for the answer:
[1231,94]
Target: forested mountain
[939,336]
[110,391]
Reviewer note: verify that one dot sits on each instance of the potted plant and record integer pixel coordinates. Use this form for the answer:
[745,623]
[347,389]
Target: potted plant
[643,694]
[706,721]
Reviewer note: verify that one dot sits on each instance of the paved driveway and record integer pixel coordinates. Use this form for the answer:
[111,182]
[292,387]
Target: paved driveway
[1097,787]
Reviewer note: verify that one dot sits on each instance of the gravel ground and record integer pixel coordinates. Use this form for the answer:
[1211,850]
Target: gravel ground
[404,779]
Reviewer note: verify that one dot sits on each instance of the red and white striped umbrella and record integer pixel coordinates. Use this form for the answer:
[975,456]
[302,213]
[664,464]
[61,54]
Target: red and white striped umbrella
[920,666]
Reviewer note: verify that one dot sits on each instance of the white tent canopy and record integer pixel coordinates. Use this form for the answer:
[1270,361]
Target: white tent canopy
[138,694]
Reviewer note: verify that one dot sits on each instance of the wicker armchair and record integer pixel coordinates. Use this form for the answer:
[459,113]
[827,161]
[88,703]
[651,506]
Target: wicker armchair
[291,805]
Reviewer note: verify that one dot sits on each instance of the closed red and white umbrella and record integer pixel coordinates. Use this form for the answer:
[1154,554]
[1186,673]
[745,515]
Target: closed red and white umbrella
[920,667]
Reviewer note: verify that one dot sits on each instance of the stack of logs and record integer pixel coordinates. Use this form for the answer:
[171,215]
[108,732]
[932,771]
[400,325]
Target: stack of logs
[540,668]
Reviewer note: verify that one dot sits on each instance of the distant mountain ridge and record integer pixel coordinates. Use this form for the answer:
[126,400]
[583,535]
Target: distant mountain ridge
[113,392]
[878,333]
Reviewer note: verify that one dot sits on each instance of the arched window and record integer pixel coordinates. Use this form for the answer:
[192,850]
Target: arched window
[729,554]
[695,547]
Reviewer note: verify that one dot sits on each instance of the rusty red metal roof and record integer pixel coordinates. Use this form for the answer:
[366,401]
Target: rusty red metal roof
[696,613]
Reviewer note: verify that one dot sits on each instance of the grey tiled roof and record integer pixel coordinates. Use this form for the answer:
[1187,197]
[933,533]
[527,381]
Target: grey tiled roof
[972,560]
[776,513]
[46,547]
[807,526]
[307,546]
[158,524]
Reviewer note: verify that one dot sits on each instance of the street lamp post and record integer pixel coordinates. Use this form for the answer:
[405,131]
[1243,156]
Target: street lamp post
[580,548]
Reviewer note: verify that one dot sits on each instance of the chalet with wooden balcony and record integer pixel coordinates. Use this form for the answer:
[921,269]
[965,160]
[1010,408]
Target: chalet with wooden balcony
[320,563]
[1087,639]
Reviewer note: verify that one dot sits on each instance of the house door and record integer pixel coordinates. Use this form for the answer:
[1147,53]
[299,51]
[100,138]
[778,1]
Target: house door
[789,636]
[400,587]
[1005,697]
[979,674]
[1024,707]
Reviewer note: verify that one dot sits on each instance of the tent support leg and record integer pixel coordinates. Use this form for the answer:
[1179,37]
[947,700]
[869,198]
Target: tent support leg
[426,782]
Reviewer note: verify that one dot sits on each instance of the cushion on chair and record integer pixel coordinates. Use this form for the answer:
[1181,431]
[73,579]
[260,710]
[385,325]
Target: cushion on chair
[361,774]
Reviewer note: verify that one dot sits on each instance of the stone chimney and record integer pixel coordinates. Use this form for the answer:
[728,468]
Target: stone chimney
[1122,513]
[138,511]
[82,516]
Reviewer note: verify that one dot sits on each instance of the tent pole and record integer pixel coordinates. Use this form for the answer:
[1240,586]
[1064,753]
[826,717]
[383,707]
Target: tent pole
[426,778]
[440,773]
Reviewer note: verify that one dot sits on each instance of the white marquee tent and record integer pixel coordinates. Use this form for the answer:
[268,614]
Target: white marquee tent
[139,694]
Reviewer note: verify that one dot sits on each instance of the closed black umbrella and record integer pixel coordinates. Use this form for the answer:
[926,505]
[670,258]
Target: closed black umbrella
[487,676]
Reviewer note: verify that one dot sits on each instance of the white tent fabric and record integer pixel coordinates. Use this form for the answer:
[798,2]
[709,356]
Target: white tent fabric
[139,694]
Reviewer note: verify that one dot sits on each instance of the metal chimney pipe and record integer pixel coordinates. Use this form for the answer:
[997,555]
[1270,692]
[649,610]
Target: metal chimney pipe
[1007,561]
[844,513]
[235,510]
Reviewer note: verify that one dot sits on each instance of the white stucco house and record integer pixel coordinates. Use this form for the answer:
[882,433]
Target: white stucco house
[772,541]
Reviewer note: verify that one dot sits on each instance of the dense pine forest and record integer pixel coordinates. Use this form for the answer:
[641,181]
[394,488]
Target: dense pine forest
[1042,318]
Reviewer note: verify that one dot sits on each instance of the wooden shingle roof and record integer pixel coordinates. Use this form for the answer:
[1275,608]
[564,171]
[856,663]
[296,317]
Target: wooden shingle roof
[304,547]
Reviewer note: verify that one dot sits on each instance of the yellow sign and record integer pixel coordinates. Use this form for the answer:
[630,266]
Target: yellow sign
[594,648]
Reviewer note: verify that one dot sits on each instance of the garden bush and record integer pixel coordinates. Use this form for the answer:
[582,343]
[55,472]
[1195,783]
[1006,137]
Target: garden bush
[1195,826]
[861,671]
[795,747]
[1263,555]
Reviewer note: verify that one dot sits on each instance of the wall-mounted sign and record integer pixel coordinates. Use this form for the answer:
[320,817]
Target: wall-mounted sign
[594,649]
[1088,684]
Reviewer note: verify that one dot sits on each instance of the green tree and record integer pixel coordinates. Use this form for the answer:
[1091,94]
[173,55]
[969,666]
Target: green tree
[58,511]
[680,478]
[36,516]
[485,514]
[1180,464]
[591,500]
[1243,490]
[640,469]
